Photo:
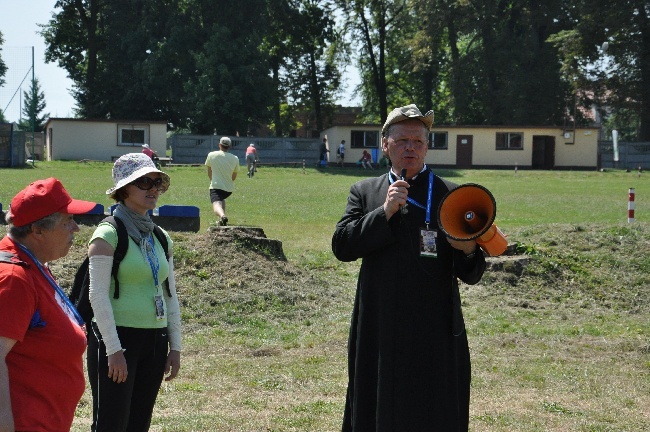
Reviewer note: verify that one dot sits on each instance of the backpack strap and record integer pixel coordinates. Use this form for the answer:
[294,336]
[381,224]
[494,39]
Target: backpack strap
[120,249]
[160,235]
[123,246]
[11,258]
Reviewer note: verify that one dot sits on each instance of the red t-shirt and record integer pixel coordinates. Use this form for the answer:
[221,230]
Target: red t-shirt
[148,152]
[46,378]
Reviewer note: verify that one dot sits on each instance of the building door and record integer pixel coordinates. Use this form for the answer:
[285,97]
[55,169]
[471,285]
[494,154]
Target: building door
[464,151]
[543,152]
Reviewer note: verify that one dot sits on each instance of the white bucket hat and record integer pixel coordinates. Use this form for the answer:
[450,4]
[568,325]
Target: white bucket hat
[130,167]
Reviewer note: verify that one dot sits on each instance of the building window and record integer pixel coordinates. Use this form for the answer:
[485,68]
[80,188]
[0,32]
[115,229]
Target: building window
[132,135]
[361,139]
[438,140]
[510,140]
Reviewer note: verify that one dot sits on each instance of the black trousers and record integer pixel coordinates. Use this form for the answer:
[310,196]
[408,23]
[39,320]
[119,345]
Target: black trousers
[128,406]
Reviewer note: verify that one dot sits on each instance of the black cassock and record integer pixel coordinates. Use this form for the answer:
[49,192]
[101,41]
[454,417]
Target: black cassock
[408,358]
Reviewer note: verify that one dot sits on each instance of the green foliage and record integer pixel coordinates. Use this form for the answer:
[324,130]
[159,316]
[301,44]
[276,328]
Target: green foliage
[3,70]
[33,108]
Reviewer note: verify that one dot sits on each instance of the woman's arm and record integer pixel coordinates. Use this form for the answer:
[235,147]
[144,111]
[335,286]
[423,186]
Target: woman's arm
[100,265]
[173,363]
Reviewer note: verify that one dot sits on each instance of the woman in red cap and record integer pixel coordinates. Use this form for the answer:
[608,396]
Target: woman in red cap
[42,337]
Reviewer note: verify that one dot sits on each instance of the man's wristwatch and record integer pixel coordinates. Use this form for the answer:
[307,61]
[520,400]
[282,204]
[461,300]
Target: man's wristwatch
[471,255]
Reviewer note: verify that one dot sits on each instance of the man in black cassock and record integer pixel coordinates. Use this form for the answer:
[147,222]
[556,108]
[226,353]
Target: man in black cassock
[408,358]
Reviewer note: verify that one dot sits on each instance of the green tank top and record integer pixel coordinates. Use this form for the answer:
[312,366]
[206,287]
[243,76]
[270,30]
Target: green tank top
[136,305]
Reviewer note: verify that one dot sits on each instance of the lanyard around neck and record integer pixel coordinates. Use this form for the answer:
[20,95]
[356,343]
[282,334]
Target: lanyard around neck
[54,285]
[427,218]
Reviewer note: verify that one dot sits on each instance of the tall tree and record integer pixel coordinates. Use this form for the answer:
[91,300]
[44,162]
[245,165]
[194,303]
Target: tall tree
[232,89]
[373,22]
[276,43]
[186,61]
[516,63]
[625,26]
[73,40]
[34,104]
[312,75]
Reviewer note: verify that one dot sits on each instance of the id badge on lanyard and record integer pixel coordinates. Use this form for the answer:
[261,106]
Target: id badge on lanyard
[428,236]
[160,307]
[428,245]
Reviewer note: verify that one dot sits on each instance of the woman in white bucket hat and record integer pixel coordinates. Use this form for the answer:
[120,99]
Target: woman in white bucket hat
[134,339]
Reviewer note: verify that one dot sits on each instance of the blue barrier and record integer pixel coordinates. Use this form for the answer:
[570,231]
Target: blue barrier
[112,208]
[98,209]
[177,217]
[178,211]
[169,217]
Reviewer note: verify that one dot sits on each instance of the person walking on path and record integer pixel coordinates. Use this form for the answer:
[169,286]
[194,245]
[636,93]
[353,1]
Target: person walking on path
[222,171]
[251,160]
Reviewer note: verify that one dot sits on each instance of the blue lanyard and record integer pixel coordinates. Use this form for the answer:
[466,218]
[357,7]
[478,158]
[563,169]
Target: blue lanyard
[153,259]
[54,285]
[427,209]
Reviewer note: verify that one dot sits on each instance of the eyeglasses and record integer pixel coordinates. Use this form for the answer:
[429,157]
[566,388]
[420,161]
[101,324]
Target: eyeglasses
[147,183]
[402,143]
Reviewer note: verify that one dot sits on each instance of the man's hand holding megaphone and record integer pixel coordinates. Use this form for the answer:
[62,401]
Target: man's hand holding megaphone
[396,201]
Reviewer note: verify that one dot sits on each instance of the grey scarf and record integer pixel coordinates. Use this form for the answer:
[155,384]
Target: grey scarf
[140,229]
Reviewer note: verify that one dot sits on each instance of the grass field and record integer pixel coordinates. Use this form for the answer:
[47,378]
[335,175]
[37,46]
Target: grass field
[301,207]
[560,338]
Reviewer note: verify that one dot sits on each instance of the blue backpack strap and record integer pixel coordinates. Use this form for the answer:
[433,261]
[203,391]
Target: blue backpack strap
[11,258]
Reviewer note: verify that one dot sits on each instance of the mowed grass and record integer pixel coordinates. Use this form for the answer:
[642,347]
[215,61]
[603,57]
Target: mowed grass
[300,207]
[562,345]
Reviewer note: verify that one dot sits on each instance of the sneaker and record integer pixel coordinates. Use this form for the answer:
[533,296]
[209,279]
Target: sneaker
[223,221]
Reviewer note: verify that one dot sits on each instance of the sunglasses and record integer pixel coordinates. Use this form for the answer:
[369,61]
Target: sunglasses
[147,183]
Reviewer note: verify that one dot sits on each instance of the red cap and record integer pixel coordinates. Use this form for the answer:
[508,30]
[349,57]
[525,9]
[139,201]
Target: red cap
[43,198]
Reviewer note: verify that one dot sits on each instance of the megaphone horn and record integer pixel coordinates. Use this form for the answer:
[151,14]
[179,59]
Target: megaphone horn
[467,213]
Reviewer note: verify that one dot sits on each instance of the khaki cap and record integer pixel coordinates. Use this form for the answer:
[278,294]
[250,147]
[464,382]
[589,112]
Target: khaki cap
[405,113]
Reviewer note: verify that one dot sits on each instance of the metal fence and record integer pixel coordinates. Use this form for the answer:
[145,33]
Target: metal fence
[12,146]
[631,155]
[193,149]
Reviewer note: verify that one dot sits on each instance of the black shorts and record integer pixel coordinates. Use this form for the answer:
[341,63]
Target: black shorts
[218,195]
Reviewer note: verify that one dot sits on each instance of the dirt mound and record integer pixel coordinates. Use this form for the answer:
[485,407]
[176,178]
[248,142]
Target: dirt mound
[567,266]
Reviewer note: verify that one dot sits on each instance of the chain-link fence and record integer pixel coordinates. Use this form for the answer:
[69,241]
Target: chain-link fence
[12,146]
[631,155]
[193,149]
